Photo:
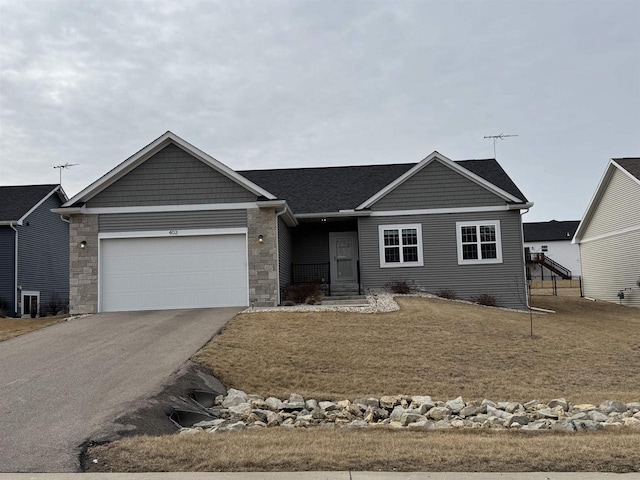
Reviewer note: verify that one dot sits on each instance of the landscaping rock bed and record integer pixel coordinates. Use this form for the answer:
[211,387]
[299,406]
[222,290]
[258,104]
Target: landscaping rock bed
[238,410]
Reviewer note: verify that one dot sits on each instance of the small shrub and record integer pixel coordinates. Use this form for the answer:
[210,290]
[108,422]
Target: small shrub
[304,293]
[485,299]
[399,286]
[446,293]
[56,305]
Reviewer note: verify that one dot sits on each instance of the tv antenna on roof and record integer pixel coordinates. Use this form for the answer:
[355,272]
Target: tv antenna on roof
[61,167]
[502,136]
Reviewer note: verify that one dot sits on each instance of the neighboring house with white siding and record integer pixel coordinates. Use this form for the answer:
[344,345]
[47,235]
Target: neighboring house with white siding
[551,241]
[34,249]
[172,227]
[609,236]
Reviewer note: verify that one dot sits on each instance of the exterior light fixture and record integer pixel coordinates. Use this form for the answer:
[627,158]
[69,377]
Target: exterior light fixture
[260,238]
[83,244]
[323,219]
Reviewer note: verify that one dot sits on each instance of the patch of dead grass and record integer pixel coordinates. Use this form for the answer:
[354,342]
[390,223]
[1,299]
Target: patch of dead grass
[12,327]
[585,352]
[278,449]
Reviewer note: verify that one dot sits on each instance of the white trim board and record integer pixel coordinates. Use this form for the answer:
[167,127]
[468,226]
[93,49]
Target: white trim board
[448,163]
[151,149]
[614,233]
[174,233]
[436,211]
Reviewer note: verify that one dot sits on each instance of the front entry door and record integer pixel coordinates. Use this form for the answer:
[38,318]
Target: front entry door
[343,248]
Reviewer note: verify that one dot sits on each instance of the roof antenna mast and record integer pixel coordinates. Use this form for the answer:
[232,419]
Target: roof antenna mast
[67,165]
[502,136]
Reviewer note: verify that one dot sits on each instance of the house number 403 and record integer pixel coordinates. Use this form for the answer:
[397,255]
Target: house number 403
[173,232]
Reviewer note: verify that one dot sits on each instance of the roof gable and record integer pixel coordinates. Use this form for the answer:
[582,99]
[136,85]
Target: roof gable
[148,152]
[614,172]
[435,156]
[17,202]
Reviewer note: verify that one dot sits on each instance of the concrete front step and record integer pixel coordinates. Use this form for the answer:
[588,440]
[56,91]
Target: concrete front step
[345,300]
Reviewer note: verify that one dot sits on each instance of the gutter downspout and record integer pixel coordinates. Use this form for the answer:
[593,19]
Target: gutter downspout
[278,214]
[524,262]
[15,271]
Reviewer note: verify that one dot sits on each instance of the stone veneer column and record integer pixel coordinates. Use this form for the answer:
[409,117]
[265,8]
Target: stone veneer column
[263,257]
[83,264]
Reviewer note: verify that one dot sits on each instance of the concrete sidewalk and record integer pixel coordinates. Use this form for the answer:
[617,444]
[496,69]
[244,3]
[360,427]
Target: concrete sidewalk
[323,476]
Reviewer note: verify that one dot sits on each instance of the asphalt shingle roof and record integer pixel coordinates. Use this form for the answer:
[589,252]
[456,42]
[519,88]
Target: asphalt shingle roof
[15,201]
[330,189]
[631,165]
[549,231]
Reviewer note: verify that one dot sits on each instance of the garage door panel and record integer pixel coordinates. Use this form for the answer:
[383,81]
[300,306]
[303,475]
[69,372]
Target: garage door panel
[173,272]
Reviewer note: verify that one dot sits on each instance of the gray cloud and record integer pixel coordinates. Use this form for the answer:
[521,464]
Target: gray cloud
[265,84]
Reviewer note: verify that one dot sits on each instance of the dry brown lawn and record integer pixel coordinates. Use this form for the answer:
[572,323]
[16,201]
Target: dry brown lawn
[587,352]
[12,327]
[277,449]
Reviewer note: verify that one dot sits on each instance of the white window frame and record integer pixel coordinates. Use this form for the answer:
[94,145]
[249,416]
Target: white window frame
[30,293]
[401,263]
[477,224]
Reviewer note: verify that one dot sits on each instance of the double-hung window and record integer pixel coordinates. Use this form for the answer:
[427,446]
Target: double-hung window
[400,245]
[479,242]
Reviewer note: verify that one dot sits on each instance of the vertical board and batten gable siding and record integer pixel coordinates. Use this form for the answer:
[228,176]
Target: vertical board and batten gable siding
[611,264]
[441,270]
[43,253]
[171,177]
[132,222]
[618,208]
[285,253]
[437,186]
[7,268]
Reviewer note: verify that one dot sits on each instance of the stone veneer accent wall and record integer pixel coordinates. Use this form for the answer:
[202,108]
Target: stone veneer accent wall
[263,257]
[83,264]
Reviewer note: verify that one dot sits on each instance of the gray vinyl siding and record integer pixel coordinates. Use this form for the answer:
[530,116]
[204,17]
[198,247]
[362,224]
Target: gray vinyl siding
[133,222]
[285,253]
[618,207]
[171,177]
[506,280]
[43,253]
[611,264]
[7,268]
[437,186]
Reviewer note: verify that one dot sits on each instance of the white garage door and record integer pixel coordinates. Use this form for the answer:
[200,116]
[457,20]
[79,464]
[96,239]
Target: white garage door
[173,272]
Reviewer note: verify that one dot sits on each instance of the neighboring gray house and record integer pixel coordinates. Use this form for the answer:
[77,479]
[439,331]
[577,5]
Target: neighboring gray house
[550,251]
[609,236]
[172,227]
[34,249]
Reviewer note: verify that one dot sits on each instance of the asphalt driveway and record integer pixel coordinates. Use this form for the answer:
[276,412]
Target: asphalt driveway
[60,384]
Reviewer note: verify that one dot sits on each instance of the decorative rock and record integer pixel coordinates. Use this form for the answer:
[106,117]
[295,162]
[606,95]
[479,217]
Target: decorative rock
[388,401]
[354,409]
[583,407]
[532,404]
[471,410]
[488,403]
[597,416]
[422,424]
[397,413]
[458,423]
[455,405]
[234,397]
[327,406]
[612,406]
[410,417]
[559,402]
[274,404]
[368,402]
[438,413]
[633,406]
[420,400]
[631,422]
[274,419]
[497,413]
[515,418]
[310,404]
[208,423]
[235,426]
[587,425]
[547,413]
[564,426]
[318,414]
[343,404]
[295,402]
[442,424]
[359,423]
[512,407]
[242,409]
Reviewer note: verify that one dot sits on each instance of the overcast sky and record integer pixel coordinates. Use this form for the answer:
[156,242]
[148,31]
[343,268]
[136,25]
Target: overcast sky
[271,84]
